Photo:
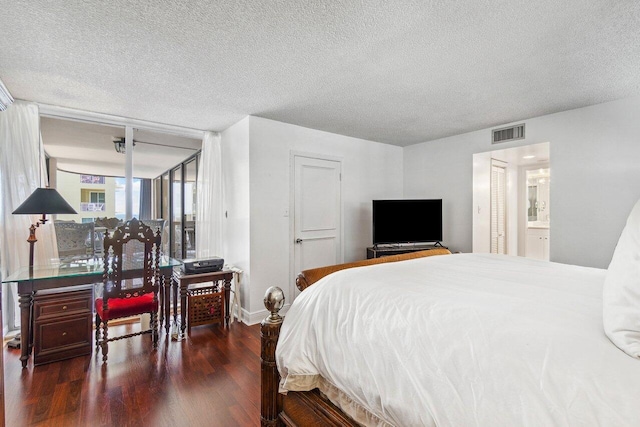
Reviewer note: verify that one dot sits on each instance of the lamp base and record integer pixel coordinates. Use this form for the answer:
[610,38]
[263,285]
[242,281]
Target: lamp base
[14,342]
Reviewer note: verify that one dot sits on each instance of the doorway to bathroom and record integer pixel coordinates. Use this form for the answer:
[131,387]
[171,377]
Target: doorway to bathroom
[511,201]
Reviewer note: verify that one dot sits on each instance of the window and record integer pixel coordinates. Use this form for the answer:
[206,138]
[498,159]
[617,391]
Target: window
[190,197]
[96,197]
[175,193]
[177,229]
[157,199]
[121,204]
[92,201]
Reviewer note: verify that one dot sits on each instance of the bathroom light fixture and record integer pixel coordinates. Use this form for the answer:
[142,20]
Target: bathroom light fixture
[5,97]
[530,156]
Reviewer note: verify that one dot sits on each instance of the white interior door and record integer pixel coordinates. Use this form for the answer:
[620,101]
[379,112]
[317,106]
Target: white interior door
[498,207]
[317,206]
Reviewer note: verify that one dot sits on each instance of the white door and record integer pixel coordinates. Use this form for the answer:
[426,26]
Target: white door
[498,207]
[317,206]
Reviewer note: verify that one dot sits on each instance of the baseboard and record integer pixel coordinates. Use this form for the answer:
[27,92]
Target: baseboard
[258,316]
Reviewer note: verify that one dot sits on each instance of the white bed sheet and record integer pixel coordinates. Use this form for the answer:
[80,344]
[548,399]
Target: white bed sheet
[463,340]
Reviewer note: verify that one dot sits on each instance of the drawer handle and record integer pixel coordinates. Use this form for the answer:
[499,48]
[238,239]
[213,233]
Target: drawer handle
[64,307]
[64,333]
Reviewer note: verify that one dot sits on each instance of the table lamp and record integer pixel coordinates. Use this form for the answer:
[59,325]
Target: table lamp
[42,201]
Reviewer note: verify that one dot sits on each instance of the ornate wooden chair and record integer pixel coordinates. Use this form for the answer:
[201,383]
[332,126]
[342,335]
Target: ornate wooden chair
[137,248]
[162,225]
[121,296]
[156,224]
[101,226]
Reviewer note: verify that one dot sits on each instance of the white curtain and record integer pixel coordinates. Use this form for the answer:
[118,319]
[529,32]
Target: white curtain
[209,199]
[21,172]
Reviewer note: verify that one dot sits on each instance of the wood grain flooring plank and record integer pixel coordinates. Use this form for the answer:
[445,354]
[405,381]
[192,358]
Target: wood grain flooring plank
[212,378]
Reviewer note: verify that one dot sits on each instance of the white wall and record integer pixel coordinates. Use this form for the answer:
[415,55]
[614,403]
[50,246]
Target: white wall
[369,171]
[235,176]
[595,162]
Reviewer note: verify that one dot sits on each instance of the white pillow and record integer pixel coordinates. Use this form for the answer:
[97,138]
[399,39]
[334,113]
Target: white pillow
[621,296]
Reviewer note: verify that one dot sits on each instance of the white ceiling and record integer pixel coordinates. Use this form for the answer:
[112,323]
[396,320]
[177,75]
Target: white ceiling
[399,72]
[88,148]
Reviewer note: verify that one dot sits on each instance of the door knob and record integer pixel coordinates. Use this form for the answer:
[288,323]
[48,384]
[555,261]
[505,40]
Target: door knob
[298,241]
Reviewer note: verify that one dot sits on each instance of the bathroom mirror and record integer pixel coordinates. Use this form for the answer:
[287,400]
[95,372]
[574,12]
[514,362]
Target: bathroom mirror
[532,202]
[538,191]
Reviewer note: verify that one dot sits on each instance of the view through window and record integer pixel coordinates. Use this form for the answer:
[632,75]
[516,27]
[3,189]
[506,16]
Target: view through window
[175,198]
[120,198]
[96,196]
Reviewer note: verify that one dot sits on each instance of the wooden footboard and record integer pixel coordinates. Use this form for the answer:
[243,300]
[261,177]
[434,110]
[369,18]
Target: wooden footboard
[308,277]
[308,408]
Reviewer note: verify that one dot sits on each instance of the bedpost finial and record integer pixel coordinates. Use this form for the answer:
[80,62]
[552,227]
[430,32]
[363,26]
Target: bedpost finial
[273,301]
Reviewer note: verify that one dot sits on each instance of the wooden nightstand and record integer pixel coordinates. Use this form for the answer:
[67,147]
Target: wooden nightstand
[62,325]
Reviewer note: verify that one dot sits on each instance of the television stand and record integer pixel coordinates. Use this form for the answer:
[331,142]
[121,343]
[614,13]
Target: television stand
[380,251]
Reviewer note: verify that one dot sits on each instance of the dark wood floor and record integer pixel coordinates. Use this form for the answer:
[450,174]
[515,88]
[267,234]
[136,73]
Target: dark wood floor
[210,379]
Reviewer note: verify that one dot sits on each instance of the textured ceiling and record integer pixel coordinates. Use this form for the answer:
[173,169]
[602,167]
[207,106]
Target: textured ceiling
[399,72]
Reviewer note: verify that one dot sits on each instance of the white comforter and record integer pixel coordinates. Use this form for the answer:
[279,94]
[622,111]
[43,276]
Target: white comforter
[462,340]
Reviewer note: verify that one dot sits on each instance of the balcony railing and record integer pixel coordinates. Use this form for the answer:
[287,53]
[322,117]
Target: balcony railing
[92,207]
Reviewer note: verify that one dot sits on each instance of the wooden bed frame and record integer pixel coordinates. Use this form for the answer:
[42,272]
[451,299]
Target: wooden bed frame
[309,408]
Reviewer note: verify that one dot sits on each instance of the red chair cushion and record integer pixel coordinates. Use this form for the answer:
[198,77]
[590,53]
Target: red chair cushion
[125,307]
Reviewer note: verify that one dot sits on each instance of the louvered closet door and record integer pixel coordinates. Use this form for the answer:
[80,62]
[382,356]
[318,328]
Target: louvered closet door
[498,207]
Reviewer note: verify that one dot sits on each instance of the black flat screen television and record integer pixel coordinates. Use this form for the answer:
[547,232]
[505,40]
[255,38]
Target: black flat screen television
[407,221]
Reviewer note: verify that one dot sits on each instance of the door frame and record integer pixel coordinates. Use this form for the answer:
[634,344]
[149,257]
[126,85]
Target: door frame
[291,212]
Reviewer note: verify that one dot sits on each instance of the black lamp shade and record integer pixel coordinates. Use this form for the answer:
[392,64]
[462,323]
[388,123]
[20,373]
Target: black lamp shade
[45,201]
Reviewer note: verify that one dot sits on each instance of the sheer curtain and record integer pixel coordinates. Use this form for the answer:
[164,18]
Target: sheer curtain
[20,154]
[209,198]
[145,199]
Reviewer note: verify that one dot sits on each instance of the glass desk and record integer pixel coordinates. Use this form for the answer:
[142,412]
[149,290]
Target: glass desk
[59,276]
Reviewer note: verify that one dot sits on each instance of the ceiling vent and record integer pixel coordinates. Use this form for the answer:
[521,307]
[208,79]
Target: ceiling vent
[507,134]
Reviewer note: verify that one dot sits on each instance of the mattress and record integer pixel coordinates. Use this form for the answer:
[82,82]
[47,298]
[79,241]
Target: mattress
[461,340]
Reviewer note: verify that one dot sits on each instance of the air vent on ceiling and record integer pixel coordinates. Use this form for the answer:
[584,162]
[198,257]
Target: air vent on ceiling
[507,134]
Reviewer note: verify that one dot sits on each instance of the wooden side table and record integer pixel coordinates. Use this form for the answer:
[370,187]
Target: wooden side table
[182,281]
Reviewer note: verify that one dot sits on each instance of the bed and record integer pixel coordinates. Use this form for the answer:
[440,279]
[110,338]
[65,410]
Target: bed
[452,339]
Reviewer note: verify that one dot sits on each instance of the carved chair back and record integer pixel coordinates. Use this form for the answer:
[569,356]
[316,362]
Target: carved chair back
[103,225]
[75,240]
[158,224]
[108,223]
[155,224]
[137,248]
[121,253]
